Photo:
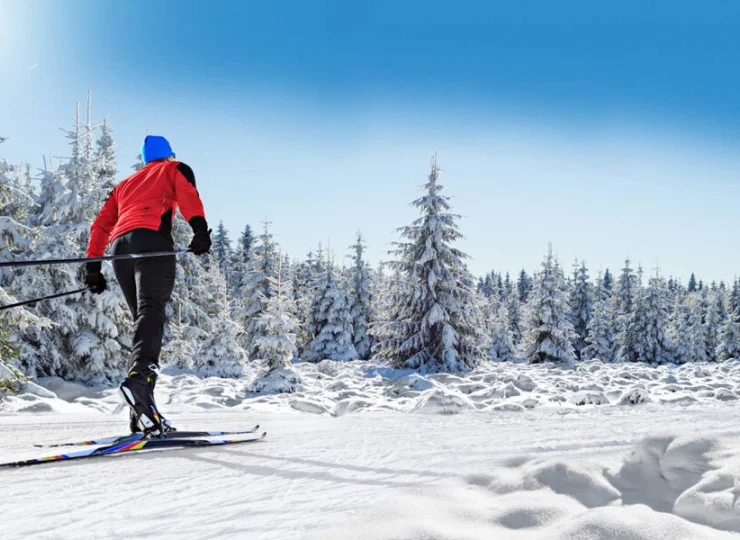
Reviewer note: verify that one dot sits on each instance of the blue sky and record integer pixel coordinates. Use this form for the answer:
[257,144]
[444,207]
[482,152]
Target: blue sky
[610,132]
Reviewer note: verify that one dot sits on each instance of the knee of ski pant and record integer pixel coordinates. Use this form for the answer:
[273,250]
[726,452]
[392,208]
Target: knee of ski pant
[151,306]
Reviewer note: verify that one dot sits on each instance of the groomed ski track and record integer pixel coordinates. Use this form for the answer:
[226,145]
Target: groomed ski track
[313,476]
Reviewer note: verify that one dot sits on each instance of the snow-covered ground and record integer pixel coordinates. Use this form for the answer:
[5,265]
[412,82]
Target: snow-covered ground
[360,451]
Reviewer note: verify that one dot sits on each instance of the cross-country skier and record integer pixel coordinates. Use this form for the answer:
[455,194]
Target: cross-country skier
[137,218]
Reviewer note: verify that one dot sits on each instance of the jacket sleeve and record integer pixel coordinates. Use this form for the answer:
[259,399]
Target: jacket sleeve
[101,230]
[188,199]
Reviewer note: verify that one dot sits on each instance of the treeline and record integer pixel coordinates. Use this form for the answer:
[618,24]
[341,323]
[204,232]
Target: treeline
[249,302]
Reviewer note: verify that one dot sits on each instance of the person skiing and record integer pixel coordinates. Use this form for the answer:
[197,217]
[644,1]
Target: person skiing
[137,218]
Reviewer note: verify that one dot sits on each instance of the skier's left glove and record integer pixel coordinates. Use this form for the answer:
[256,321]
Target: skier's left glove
[94,279]
[201,243]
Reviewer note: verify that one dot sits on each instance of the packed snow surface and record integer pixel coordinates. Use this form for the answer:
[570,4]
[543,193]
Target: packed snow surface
[361,451]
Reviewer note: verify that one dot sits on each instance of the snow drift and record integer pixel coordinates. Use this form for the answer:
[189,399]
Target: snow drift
[668,487]
[339,388]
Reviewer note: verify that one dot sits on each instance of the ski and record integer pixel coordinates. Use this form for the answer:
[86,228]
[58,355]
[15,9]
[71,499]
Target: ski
[129,447]
[133,437]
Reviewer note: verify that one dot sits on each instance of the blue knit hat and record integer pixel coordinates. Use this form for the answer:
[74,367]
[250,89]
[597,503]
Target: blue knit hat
[154,148]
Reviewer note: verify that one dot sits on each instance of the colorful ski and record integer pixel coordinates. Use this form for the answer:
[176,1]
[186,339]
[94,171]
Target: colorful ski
[128,447]
[133,437]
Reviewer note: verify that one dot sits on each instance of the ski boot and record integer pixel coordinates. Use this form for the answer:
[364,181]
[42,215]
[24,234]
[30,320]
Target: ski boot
[138,391]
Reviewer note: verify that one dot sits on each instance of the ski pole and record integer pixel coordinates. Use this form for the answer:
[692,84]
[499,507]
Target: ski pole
[26,302]
[46,262]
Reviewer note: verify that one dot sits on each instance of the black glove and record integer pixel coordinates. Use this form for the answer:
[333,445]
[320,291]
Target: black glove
[201,243]
[94,279]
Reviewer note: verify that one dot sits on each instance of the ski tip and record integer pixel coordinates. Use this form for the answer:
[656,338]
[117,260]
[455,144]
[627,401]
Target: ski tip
[264,434]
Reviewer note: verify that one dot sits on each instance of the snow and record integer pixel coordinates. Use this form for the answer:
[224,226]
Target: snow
[366,452]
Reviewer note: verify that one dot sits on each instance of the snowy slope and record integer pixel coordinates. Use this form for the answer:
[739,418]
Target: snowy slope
[665,469]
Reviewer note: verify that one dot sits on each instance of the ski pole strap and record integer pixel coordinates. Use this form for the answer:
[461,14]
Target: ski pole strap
[47,262]
[26,302]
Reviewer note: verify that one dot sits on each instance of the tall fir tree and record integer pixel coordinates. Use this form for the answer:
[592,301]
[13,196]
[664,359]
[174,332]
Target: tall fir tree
[645,338]
[728,347]
[86,343]
[501,347]
[262,273]
[692,283]
[524,286]
[581,306]
[220,354]
[678,332]
[624,290]
[608,281]
[514,317]
[600,328]
[276,331]
[332,323]
[433,326]
[105,167]
[221,248]
[361,301]
[246,242]
[548,335]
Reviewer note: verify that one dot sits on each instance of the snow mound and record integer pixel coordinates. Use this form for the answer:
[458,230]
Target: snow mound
[668,488]
[635,396]
[589,397]
[443,401]
[277,381]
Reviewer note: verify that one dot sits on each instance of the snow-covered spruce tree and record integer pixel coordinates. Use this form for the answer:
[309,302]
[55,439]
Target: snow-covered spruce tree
[608,281]
[105,166]
[318,266]
[678,332]
[514,316]
[435,325]
[387,295]
[220,354]
[548,334]
[238,269]
[713,320]
[733,299]
[703,328]
[332,323]
[523,286]
[581,306]
[600,329]
[502,344]
[84,344]
[275,331]
[14,236]
[645,338]
[600,337]
[262,271]
[246,241]
[729,338]
[692,283]
[485,286]
[302,295]
[361,301]
[624,290]
[222,248]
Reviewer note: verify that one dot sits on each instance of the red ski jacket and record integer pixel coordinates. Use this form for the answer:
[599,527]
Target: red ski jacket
[147,200]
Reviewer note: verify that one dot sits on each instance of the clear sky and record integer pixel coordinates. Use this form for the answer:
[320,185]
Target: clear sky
[610,129]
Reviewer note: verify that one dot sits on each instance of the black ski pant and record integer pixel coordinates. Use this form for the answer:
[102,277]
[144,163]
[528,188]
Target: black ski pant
[147,286]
